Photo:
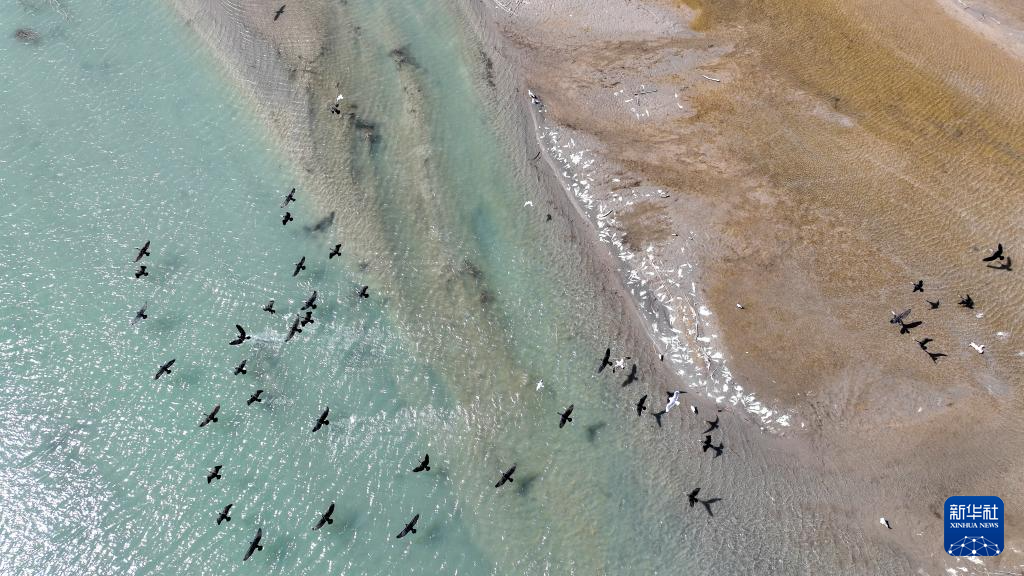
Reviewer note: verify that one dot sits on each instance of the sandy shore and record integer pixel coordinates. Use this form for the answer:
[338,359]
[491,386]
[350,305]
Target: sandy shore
[811,162]
[752,155]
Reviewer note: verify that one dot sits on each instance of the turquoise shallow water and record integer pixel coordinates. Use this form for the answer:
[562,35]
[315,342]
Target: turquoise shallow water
[119,128]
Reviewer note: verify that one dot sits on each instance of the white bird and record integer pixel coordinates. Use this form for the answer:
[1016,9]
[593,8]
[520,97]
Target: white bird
[979,348]
[339,98]
[693,409]
[884,522]
[528,203]
[540,384]
[673,401]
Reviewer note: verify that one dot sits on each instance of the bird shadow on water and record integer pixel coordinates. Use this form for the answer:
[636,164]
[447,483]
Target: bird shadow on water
[593,429]
[525,483]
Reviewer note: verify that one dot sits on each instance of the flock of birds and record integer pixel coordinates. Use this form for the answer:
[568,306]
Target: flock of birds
[997,261]
[305,316]
[302,318]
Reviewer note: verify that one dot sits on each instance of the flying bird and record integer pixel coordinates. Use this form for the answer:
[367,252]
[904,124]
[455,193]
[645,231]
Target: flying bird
[424,465]
[918,286]
[240,369]
[506,477]
[308,319]
[143,252]
[211,417]
[223,517]
[299,266]
[996,255]
[165,368]
[141,314]
[410,527]
[899,318]
[565,416]
[364,292]
[269,307]
[712,425]
[141,272]
[254,398]
[242,337]
[277,15]
[294,329]
[322,420]
[287,218]
[673,400]
[214,474]
[325,518]
[291,195]
[606,361]
[335,252]
[693,496]
[640,407]
[254,545]
[310,302]
[967,301]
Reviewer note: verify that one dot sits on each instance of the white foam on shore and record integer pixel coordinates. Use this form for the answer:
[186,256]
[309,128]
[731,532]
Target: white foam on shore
[650,277]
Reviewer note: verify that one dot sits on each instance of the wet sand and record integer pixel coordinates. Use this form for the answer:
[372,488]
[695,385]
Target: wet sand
[813,197]
[824,158]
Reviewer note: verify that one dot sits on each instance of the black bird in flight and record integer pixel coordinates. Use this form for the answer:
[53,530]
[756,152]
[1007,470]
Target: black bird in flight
[299,266]
[630,378]
[310,302]
[308,319]
[565,416]
[712,425]
[899,318]
[967,302]
[997,255]
[143,252]
[424,464]
[506,477]
[905,328]
[242,337]
[918,286]
[291,195]
[141,272]
[254,545]
[1008,265]
[658,415]
[286,219]
[364,292]
[335,252]
[240,369]
[923,343]
[269,307]
[707,504]
[165,368]
[254,398]
[935,356]
[410,527]
[708,444]
[141,314]
[325,518]
[276,16]
[211,417]
[295,328]
[606,362]
[640,407]
[693,496]
[214,474]
[322,420]
[932,305]
[223,517]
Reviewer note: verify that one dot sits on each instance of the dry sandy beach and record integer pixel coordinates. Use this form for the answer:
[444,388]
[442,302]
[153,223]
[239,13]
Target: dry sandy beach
[808,160]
